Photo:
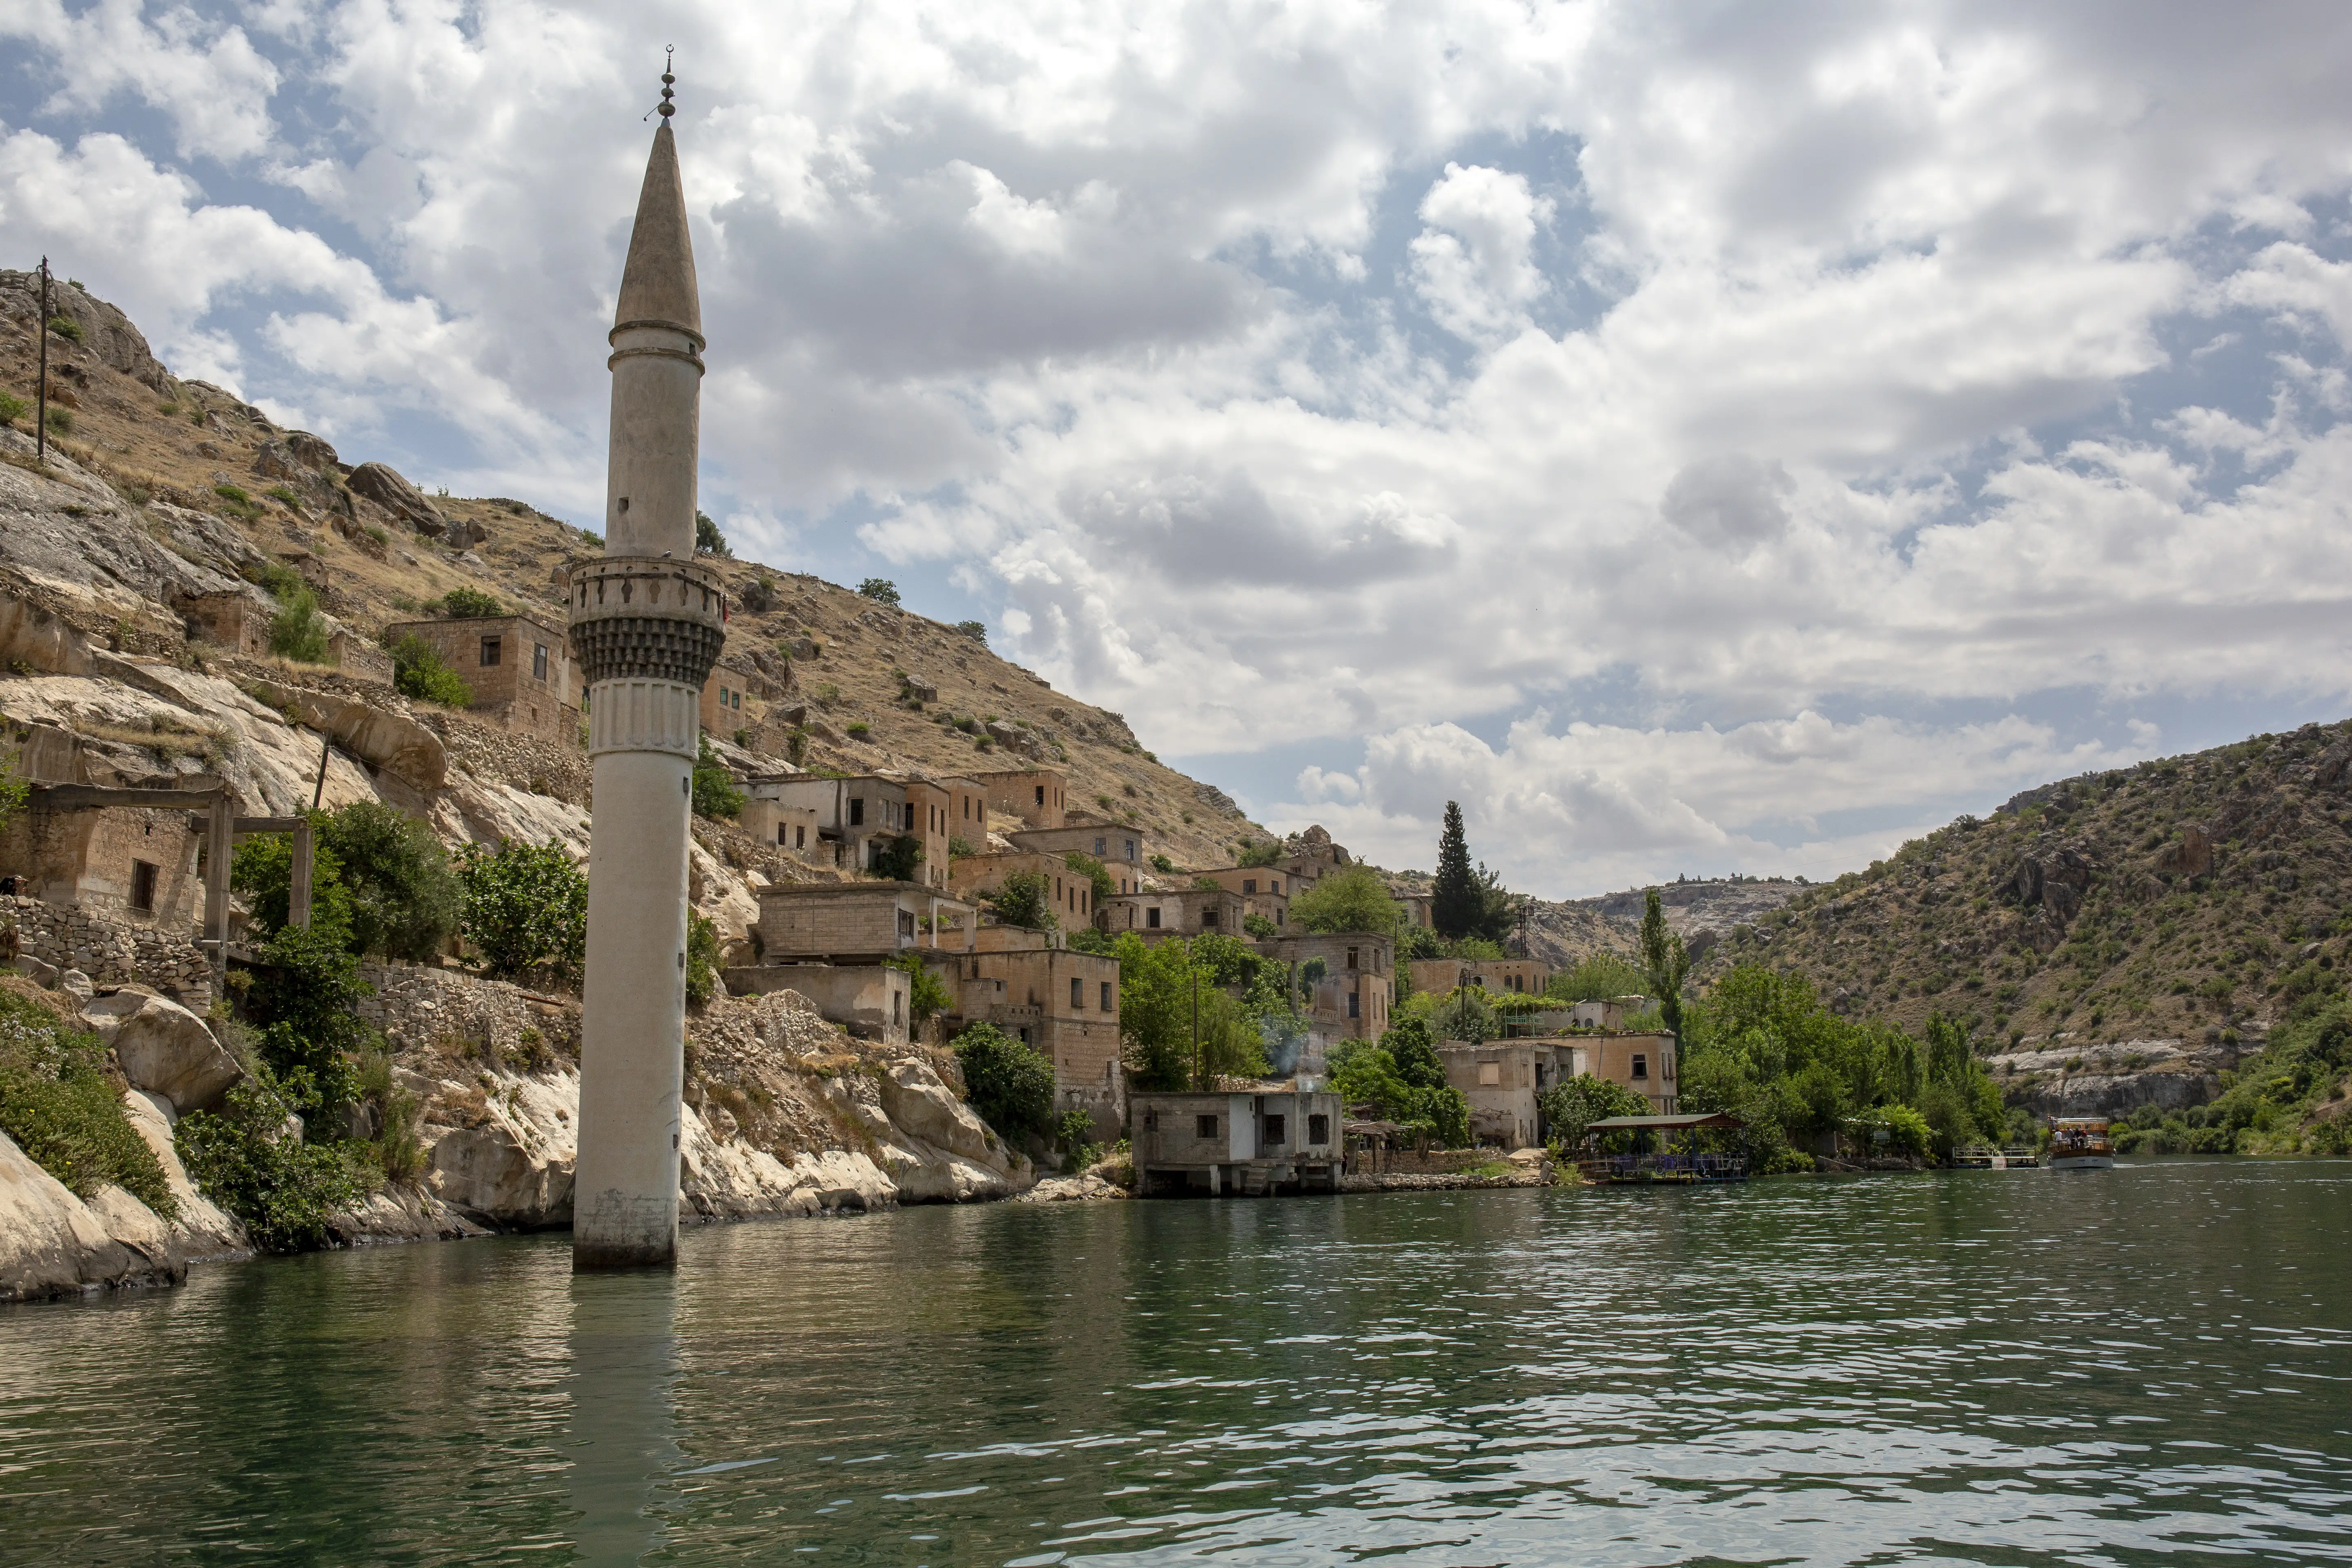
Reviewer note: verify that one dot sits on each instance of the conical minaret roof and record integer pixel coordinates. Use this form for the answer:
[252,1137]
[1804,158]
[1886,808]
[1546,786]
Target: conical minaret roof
[658,284]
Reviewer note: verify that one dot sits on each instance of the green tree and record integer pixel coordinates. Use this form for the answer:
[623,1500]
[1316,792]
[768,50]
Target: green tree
[402,898]
[1465,1014]
[1097,874]
[13,791]
[881,590]
[702,958]
[927,993]
[525,905]
[1597,979]
[1572,1105]
[468,605]
[1024,899]
[1257,852]
[418,671]
[715,794]
[1010,1086]
[1667,962]
[286,1191]
[263,871]
[976,630]
[296,631]
[1351,900]
[305,996]
[897,858]
[1457,904]
[708,540]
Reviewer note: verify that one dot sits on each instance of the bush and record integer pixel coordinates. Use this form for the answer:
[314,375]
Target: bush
[465,604]
[1260,926]
[976,630]
[67,327]
[1024,899]
[305,996]
[1164,866]
[524,905]
[263,871]
[927,993]
[1074,1135]
[708,540]
[1264,852]
[759,596]
[1010,1085]
[898,860]
[1097,874]
[284,1189]
[12,408]
[881,590]
[295,632]
[61,420]
[1354,900]
[403,901]
[58,1102]
[1907,1131]
[715,794]
[418,672]
[702,955]
[860,730]
[1597,979]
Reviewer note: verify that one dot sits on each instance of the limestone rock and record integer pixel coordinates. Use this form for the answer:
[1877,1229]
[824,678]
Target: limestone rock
[203,1231]
[165,1048]
[107,334]
[1085,1187]
[50,1242]
[507,1160]
[401,747]
[2192,855]
[394,1215]
[920,1105]
[386,487]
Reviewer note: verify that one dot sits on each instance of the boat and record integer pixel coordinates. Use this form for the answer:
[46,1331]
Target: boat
[2080,1143]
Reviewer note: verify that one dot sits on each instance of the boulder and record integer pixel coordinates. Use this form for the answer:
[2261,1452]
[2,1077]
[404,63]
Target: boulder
[919,1104]
[1086,1187]
[313,452]
[384,741]
[167,1050]
[388,490]
[50,1242]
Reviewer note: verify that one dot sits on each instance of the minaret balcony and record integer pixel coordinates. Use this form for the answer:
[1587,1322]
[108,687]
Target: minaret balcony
[647,618]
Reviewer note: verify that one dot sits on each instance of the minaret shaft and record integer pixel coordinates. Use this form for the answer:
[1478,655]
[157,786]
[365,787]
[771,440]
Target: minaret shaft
[648,621]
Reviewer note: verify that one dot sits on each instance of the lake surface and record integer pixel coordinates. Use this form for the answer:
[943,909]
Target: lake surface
[2151,1364]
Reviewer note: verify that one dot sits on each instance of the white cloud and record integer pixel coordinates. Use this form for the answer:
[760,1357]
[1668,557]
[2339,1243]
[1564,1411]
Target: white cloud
[205,76]
[1474,265]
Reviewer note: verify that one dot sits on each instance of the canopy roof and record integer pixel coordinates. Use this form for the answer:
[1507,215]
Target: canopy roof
[1664,1123]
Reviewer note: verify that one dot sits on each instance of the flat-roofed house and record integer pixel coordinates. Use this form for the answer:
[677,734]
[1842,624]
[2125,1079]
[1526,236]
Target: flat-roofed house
[723,712]
[1122,850]
[1178,912]
[859,818]
[1352,1000]
[1500,976]
[519,669]
[1264,889]
[1505,1081]
[1250,1142]
[1070,894]
[833,943]
[1036,798]
[1063,1004]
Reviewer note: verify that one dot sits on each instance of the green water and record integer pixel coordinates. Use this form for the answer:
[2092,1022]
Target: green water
[2152,1364]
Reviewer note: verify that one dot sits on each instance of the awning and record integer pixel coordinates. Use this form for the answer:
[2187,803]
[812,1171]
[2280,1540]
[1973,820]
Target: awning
[1663,1123]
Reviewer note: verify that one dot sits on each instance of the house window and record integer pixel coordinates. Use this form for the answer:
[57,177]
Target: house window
[1354,1004]
[1640,1065]
[784,833]
[1077,996]
[857,812]
[1351,958]
[1131,849]
[800,837]
[1319,1130]
[1275,1128]
[906,923]
[538,661]
[490,652]
[1040,795]
[1277,917]
[1204,1127]
[1151,917]
[1274,884]
[1490,1075]
[898,1008]
[1249,884]
[1106,996]
[1098,847]
[1208,919]
[142,885]
[1151,1121]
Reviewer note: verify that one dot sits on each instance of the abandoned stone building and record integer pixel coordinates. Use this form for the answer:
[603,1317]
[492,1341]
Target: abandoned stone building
[1502,976]
[1251,1142]
[1358,988]
[1122,850]
[1063,1003]
[1070,894]
[1264,889]
[858,820]
[1178,912]
[519,669]
[1505,1081]
[1034,797]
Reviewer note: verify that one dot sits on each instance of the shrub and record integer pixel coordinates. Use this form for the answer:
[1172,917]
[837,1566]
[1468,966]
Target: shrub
[67,327]
[466,605]
[1097,874]
[1354,900]
[305,996]
[1264,852]
[1164,866]
[976,630]
[1024,899]
[524,905]
[898,860]
[57,1101]
[1260,926]
[283,494]
[927,993]
[859,731]
[61,420]
[1010,1085]
[593,541]
[284,1189]
[263,871]
[402,898]
[702,954]
[758,595]
[12,408]
[418,672]
[879,589]
[715,794]
[295,632]
[708,540]
[1074,1135]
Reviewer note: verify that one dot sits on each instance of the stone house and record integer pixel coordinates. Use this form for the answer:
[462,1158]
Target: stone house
[1036,798]
[1252,1141]
[795,829]
[237,618]
[859,922]
[518,668]
[358,657]
[723,712]
[1070,894]
[1264,889]
[1121,849]
[949,808]
[857,819]
[1353,999]
[1505,1081]
[871,1001]
[1063,1004]
[1499,977]
[1185,912]
[136,865]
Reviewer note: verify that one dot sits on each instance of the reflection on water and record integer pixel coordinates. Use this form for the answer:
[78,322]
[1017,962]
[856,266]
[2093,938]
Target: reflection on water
[2145,1366]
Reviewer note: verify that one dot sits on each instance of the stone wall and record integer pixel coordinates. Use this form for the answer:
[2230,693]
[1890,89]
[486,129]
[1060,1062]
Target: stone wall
[461,1014]
[110,951]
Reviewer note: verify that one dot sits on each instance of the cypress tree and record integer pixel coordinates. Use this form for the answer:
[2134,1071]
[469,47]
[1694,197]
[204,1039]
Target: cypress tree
[1457,904]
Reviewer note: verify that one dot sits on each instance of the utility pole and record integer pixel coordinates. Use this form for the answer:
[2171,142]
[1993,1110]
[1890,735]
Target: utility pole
[1199,1076]
[41,390]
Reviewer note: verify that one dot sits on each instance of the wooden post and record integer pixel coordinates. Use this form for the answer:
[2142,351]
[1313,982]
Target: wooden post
[220,851]
[297,892]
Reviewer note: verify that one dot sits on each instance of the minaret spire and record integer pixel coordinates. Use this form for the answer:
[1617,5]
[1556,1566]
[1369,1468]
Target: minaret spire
[647,622]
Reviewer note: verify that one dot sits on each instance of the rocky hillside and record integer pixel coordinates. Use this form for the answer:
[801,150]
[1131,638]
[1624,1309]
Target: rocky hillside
[1703,910]
[173,486]
[2166,913]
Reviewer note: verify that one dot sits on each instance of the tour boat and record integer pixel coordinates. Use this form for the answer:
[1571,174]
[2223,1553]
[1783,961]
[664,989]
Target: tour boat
[2080,1143]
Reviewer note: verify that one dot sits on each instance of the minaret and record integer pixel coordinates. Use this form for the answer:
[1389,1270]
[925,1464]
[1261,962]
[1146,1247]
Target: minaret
[647,622]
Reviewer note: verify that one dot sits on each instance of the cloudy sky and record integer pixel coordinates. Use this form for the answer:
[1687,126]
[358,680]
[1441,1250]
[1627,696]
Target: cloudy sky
[1699,437]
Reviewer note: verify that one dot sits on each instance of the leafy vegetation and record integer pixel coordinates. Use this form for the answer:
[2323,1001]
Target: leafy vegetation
[1178,1028]
[283,1187]
[466,605]
[1253,852]
[976,630]
[702,955]
[1597,979]
[1466,901]
[1097,874]
[1665,961]
[1352,900]
[418,672]
[64,1110]
[1401,1081]
[380,879]
[1572,1105]
[708,540]
[881,590]
[927,993]
[715,791]
[897,858]
[1010,1086]
[12,408]
[1024,899]
[305,998]
[2289,1098]
[524,905]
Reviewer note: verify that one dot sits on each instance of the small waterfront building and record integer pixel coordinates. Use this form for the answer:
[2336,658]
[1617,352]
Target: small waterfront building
[1505,1081]
[1246,1143]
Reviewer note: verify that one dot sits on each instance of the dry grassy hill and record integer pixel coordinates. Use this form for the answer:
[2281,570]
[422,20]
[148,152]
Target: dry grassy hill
[2185,902]
[221,488]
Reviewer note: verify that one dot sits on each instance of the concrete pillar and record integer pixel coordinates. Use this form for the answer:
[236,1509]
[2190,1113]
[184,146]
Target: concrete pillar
[647,622]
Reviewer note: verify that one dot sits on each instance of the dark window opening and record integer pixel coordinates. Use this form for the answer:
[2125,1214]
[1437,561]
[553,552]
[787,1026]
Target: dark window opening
[142,885]
[1106,996]
[906,923]
[1077,996]
[538,661]
[857,812]
[489,652]
[1351,958]
[1641,1066]
[1152,918]
[1040,795]
[1275,1128]
[1319,1130]
[1354,1004]
[1204,1127]
[1208,919]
